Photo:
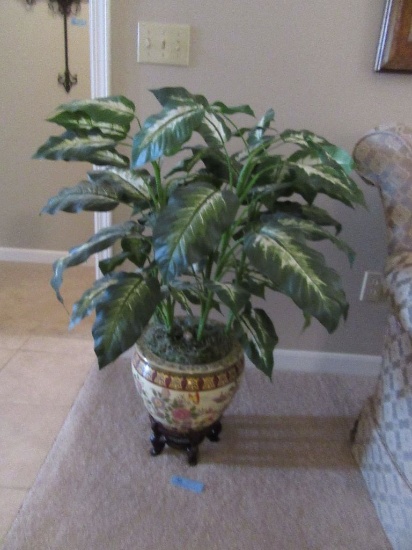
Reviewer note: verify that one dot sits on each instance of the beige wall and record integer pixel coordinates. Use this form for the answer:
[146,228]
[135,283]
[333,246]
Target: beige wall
[313,62]
[32,55]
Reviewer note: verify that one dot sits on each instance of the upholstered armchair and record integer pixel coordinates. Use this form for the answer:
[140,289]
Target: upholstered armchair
[382,438]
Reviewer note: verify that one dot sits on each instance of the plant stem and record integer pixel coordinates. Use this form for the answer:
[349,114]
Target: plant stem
[207,304]
[159,188]
[228,162]
[206,307]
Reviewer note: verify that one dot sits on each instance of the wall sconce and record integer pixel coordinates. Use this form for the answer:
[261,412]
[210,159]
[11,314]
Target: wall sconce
[65,8]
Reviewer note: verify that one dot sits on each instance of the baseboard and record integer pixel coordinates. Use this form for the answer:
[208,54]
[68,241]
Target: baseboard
[32,255]
[324,362]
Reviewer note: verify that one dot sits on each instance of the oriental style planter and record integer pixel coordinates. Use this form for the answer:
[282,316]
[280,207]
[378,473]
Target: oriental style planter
[185,402]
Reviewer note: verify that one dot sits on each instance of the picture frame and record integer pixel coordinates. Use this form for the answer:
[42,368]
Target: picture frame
[394,53]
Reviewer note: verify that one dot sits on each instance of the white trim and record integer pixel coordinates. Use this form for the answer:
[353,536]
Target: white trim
[100,83]
[324,362]
[99,13]
[32,255]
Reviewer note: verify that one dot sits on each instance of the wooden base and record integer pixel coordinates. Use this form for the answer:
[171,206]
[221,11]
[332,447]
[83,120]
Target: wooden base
[188,442]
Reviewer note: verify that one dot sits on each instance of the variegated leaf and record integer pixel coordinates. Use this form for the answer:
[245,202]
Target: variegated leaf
[178,94]
[88,302]
[85,195]
[135,187]
[231,295]
[257,133]
[191,225]
[141,180]
[165,133]
[310,230]
[256,333]
[310,212]
[79,254]
[107,157]
[121,315]
[70,146]
[322,178]
[303,138]
[320,147]
[299,272]
[108,265]
[219,106]
[110,115]
[214,130]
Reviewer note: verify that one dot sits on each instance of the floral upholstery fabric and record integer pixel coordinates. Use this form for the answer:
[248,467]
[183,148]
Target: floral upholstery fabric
[383,440]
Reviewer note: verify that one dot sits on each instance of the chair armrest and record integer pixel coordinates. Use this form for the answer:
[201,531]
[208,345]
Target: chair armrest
[398,277]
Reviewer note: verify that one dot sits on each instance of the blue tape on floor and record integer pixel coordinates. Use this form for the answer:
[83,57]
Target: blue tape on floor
[188,484]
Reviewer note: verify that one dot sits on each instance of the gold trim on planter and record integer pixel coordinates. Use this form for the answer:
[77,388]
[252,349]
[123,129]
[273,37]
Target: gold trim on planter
[163,376]
[191,382]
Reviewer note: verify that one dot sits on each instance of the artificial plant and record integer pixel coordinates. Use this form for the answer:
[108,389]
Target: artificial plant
[231,218]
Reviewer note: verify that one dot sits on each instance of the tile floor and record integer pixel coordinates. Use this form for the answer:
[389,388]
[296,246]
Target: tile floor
[42,368]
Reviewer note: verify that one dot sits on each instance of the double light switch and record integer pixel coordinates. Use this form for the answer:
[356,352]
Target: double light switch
[164,44]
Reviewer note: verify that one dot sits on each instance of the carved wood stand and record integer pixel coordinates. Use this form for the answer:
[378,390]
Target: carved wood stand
[188,442]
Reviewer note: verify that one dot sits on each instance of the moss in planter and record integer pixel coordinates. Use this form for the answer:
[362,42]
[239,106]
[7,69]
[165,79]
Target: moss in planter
[181,346]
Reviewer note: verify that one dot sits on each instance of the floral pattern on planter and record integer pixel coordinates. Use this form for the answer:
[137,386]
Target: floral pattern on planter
[183,409]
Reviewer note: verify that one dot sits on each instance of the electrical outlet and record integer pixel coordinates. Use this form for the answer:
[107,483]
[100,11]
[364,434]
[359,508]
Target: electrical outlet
[373,287]
[164,44]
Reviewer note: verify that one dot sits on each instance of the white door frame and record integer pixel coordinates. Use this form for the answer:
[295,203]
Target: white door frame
[100,77]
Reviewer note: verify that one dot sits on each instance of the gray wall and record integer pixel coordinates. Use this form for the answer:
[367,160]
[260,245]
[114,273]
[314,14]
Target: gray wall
[313,62]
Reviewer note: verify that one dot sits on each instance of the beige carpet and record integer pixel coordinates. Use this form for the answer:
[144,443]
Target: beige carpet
[281,478]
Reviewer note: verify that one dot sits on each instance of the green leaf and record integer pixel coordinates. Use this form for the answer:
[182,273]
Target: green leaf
[70,146]
[109,264]
[299,272]
[320,178]
[88,302]
[231,295]
[307,212]
[122,314]
[185,292]
[128,187]
[216,163]
[107,157]
[214,130]
[188,164]
[83,196]
[79,254]
[137,248]
[303,138]
[165,133]
[178,94]
[341,157]
[224,109]
[256,333]
[254,283]
[310,230]
[257,133]
[141,180]
[191,226]
[103,193]
[111,116]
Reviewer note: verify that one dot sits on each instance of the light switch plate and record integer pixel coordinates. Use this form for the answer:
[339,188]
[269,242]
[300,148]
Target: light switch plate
[163,43]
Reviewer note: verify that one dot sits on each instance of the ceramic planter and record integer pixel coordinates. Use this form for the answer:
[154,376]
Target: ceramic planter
[185,402]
